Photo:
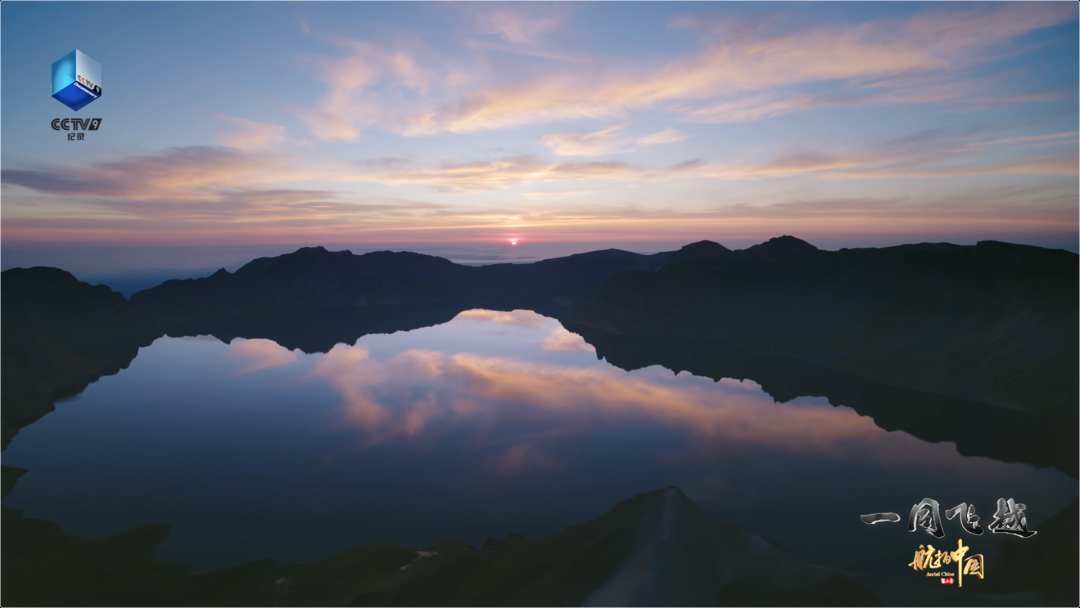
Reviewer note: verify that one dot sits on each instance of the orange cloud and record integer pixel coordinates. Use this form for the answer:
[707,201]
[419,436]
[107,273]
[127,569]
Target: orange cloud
[203,189]
[518,318]
[190,173]
[607,141]
[262,354]
[518,22]
[932,153]
[597,143]
[560,339]
[348,107]
[556,194]
[732,66]
[406,395]
[667,136]
[485,175]
[251,136]
[212,194]
[747,109]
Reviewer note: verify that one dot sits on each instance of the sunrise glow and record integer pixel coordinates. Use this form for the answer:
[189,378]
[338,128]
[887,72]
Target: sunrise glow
[439,125]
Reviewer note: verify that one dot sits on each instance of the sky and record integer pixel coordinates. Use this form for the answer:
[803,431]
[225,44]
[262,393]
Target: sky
[231,130]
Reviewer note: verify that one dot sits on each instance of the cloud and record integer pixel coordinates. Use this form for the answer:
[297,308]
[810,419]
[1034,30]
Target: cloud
[1045,205]
[556,194]
[520,23]
[748,108]
[606,141]
[561,339]
[687,166]
[209,192]
[667,136]
[929,153]
[249,135]
[934,46]
[424,393]
[262,354]
[523,457]
[485,175]
[889,90]
[532,30]
[194,173]
[597,143]
[217,194]
[519,318]
[350,103]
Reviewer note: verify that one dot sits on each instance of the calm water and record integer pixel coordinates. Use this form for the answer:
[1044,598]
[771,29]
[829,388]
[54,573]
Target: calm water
[492,423]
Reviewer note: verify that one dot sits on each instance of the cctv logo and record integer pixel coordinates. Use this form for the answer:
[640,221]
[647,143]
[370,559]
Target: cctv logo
[76,124]
[76,80]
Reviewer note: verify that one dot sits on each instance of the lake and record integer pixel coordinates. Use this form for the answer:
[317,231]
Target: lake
[490,424]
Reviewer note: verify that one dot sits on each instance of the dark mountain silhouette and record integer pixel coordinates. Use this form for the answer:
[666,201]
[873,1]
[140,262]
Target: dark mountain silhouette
[975,345]
[782,249]
[309,279]
[936,331]
[58,336]
[54,291]
[977,429]
[313,278]
[613,559]
[1048,564]
[319,331]
[701,250]
[316,279]
[993,323]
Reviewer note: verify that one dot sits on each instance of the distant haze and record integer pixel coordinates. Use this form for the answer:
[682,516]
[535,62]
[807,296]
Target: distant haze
[136,262]
[455,128]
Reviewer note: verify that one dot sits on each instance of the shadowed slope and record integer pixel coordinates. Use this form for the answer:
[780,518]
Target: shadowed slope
[657,548]
[994,323]
[1004,434]
[58,336]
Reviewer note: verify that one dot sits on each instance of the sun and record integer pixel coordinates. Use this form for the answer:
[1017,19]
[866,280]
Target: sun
[514,242]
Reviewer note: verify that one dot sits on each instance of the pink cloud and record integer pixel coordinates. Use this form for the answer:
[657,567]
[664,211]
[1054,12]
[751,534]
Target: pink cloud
[418,393]
[607,141]
[560,339]
[249,135]
[726,69]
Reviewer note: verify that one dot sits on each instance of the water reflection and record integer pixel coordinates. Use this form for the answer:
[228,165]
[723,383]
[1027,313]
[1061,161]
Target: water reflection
[492,423]
[261,354]
[412,391]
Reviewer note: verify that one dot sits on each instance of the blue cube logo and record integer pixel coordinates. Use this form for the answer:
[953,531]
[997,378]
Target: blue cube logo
[76,80]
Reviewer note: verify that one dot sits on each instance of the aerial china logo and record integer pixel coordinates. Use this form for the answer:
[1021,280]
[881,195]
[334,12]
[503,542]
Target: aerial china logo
[76,80]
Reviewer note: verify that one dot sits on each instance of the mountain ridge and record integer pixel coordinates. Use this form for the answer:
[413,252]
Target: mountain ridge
[992,323]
